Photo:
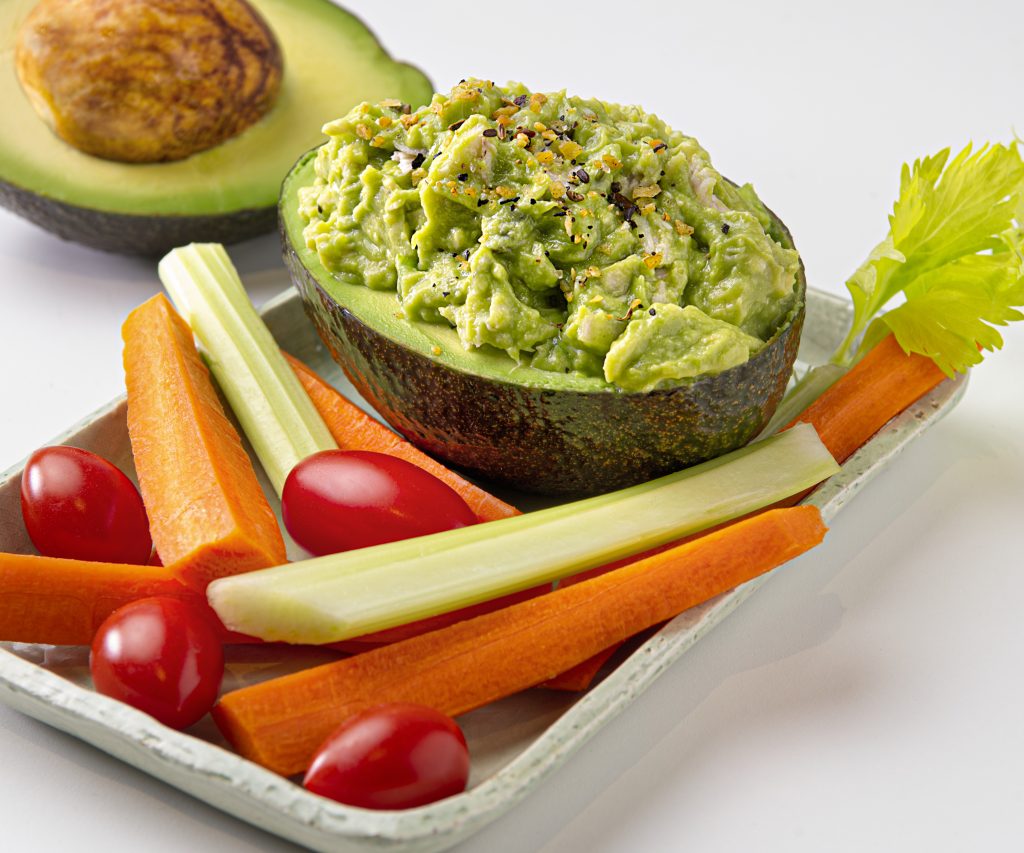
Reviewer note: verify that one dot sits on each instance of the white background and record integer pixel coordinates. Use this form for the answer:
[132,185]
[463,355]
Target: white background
[870,697]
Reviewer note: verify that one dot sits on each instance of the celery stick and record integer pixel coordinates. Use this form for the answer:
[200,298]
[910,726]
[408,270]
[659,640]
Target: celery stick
[271,405]
[344,595]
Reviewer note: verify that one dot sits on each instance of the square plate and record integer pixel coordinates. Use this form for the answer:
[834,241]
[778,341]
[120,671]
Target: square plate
[515,743]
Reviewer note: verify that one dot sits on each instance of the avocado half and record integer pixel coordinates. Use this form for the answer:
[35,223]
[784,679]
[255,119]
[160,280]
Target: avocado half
[224,194]
[531,429]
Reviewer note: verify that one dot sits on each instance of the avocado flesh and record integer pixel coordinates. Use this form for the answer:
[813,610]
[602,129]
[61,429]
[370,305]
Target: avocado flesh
[331,60]
[534,430]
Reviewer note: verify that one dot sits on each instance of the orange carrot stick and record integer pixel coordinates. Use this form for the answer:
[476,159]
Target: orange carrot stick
[353,429]
[876,389]
[280,723]
[63,602]
[208,515]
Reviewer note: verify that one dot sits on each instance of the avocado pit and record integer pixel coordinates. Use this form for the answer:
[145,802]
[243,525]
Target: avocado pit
[144,81]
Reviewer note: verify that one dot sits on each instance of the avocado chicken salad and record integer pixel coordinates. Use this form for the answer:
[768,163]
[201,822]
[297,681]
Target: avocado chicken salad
[576,236]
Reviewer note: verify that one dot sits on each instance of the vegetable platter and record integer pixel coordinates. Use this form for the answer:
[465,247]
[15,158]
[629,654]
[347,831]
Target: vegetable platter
[516,744]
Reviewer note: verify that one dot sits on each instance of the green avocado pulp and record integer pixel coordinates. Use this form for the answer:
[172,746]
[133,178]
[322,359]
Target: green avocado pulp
[577,237]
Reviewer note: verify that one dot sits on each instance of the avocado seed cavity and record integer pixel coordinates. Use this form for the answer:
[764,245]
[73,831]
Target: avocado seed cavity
[144,81]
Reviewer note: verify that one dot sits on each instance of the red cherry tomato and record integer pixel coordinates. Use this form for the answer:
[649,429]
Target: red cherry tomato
[337,500]
[391,757]
[76,504]
[159,655]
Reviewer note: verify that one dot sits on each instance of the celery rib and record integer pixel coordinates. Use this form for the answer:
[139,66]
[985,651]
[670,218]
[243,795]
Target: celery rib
[344,595]
[271,406]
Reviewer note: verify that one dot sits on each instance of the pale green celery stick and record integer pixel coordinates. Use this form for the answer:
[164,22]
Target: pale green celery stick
[344,595]
[271,405]
[809,388]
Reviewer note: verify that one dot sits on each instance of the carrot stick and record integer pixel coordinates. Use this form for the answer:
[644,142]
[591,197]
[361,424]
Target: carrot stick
[876,389]
[208,515]
[353,429]
[63,602]
[581,676]
[280,723]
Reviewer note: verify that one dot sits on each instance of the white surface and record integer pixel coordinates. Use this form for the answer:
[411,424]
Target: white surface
[869,697]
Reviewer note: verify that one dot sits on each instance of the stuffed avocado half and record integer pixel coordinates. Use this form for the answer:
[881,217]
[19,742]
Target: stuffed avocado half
[556,293]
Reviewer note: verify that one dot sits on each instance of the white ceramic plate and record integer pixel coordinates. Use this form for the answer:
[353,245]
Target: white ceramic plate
[515,743]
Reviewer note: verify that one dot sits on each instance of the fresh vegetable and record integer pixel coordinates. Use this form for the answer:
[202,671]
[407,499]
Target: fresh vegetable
[78,505]
[208,515]
[344,595]
[955,251]
[281,722]
[337,500]
[274,411]
[353,429]
[395,756]
[877,388]
[159,655]
[63,602]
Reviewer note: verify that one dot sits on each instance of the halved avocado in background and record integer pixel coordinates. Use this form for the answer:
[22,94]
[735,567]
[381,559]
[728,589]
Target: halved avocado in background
[224,194]
[532,429]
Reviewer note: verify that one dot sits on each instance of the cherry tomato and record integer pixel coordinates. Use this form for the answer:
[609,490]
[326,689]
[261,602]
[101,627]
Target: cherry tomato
[391,757]
[159,655]
[337,500]
[76,504]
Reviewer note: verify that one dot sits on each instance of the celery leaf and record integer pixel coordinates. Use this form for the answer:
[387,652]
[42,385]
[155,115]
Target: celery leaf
[954,251]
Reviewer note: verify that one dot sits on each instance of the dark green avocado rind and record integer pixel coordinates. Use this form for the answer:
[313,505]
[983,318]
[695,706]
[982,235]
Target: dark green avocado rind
[136,234]
[556,441]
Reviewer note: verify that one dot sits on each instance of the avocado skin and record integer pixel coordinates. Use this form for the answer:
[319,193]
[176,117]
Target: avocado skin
[568,443]
[133,234]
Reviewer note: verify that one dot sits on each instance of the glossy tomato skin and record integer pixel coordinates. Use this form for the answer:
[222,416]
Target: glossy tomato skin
[78,505]
[337,500]
[159,655]
[391,757]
